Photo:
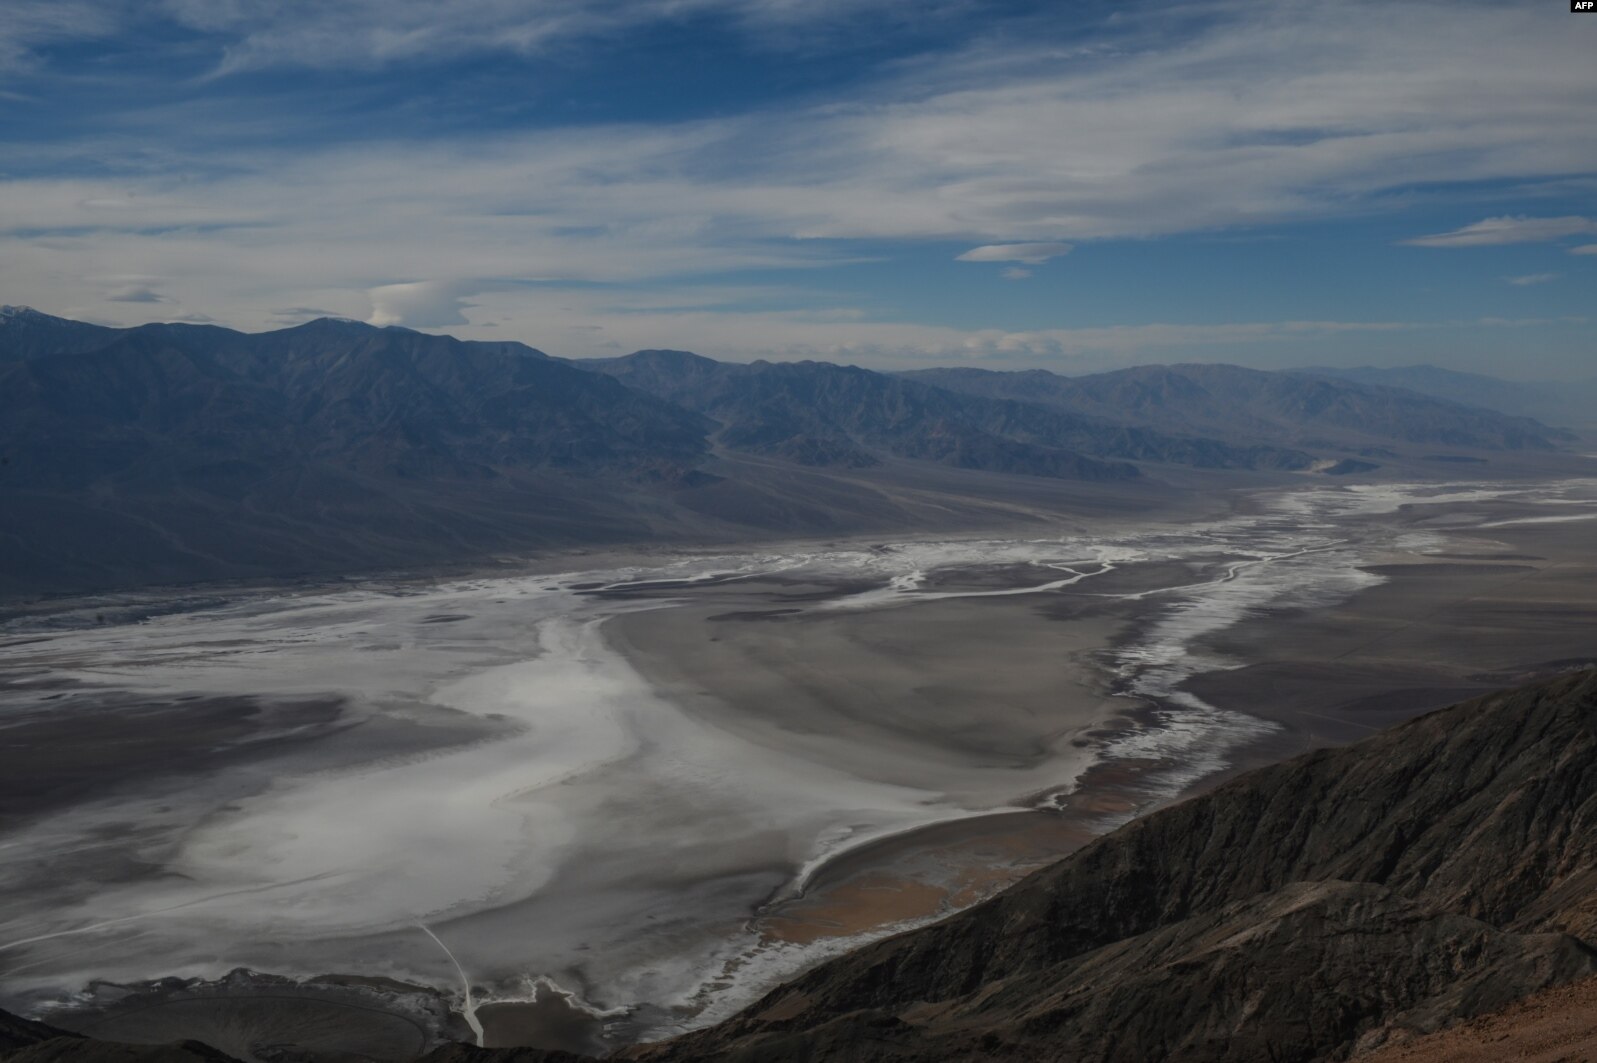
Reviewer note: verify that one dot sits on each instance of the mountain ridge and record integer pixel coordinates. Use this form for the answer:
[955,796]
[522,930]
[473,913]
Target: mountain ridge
[179,453]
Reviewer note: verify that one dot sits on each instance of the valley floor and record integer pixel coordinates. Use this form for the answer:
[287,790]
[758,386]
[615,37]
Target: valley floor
[629,799]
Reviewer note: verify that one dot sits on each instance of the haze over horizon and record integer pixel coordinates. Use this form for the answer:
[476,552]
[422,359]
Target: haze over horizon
[998,184]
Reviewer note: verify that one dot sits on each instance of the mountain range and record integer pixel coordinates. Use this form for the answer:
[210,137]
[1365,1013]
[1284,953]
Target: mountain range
[174,453]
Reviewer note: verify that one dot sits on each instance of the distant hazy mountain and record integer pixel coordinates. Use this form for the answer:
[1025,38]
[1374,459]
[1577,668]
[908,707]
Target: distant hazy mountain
[1566,402]
[1229,402]
[823,414]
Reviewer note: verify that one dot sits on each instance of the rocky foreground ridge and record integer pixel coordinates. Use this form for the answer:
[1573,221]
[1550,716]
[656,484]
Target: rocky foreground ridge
[1335,904]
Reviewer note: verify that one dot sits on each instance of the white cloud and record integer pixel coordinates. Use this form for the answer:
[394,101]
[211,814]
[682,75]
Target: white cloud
[420,304]
[1516,229]
[1528,279]
[1584,249]
[1015,273]
[1031,254]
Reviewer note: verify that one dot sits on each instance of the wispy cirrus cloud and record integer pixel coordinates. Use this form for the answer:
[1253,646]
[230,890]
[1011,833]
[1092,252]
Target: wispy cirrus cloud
[1517,229]
[1525,280]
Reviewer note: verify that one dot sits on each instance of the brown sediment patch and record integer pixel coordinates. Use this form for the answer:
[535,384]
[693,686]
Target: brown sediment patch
[552,1020]
[924,874]
[856,907]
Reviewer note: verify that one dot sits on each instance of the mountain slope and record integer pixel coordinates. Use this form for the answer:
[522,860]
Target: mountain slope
[28,333]
[176,453]
[1229,402]
[1436,871]
[160,402]
[824,414]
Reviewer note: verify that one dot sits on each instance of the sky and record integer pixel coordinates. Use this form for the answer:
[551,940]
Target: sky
[1070,186]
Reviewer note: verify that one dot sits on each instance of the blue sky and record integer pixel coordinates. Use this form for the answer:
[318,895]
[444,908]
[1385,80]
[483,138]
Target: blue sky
[1071,186]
